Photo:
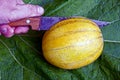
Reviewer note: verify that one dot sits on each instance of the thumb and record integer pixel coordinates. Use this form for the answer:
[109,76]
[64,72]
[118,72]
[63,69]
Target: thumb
[25,10]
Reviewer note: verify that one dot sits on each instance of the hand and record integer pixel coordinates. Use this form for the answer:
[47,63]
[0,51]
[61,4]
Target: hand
[11,10]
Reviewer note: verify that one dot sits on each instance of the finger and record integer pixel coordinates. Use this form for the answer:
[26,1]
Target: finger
[23,11]
[7,31]
[20,30]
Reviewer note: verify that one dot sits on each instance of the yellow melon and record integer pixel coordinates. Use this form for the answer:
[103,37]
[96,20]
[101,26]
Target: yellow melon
[72,43]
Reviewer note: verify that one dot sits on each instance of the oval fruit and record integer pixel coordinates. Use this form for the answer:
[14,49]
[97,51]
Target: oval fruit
[72,43]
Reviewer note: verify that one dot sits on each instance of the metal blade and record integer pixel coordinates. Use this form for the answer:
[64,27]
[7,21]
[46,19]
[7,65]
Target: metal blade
[47,22]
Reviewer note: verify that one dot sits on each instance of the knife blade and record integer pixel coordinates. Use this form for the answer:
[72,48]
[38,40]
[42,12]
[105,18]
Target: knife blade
[45,23]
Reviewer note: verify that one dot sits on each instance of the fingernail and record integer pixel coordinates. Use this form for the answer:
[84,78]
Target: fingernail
[40,10]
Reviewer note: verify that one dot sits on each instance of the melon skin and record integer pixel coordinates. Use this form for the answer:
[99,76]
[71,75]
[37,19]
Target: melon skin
[72,43]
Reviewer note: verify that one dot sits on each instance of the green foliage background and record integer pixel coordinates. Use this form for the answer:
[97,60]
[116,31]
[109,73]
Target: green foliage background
[21,56]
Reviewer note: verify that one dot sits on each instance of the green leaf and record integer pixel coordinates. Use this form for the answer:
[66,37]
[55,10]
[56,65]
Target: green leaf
[21,56]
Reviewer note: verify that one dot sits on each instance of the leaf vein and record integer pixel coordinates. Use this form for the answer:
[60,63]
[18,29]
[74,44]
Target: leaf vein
[29,44]
[108,11]
[111,41]
[16,59]
[58,8]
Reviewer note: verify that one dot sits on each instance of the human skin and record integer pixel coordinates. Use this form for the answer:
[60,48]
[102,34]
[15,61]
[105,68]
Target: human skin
[11,10]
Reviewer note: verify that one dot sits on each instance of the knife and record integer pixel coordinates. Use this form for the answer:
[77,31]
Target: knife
[44,23]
